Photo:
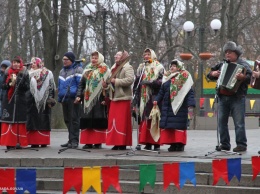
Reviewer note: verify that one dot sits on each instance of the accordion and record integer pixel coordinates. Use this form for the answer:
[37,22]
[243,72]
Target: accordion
[227,79]
[255,82]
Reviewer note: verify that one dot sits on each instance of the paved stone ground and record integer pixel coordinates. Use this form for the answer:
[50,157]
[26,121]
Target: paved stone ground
[200,142]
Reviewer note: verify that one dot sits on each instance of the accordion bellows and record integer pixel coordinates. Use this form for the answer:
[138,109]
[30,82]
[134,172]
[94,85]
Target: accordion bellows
[227,78]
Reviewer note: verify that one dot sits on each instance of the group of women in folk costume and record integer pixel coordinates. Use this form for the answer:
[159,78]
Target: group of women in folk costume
[105,95]
[99,89]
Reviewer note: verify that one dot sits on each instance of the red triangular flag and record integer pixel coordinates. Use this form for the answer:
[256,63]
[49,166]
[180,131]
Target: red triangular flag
[202,102]
[220,170]
[255,166]
[110,176]
[171,172]
[72,177]
[7,180]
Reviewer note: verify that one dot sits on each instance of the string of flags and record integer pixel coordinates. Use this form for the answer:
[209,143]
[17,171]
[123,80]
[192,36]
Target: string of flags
[85,177]
[212,100]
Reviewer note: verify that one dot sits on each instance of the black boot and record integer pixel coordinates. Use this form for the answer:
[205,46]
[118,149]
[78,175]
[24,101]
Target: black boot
[156,147]
[115,148]
[148,146]
[180,147]
[97,146]
[87,146]
[173,147]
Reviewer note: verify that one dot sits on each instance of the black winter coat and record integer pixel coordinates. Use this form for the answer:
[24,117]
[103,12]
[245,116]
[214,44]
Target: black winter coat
[97,117]
[39,121]
[15,110]
[168,119]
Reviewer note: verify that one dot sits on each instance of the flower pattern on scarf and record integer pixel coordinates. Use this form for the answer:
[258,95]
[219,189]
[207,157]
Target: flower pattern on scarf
[148,76]
[93,79]
[177,83]
[41,79]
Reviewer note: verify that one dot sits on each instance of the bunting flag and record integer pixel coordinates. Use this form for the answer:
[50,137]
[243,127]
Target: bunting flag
[252,102]
[226,169]
[91,177]
[171,172]
[187,171]
[202,102]
[110,176]
[219,168]
[7,180]
[211,102]
[255,166]
[25,179]
[147,175]
[234,168]
[75,182]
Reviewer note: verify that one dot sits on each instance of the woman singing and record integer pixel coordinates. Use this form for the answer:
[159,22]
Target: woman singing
[13,119]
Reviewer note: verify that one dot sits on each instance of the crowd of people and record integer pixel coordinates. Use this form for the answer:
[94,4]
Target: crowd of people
[98,102]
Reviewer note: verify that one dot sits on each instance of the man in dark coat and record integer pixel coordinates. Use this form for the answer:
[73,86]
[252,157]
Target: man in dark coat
[232,102]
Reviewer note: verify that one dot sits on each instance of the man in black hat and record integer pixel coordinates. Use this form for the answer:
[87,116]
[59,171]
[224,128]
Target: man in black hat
[68,82]
[232,103]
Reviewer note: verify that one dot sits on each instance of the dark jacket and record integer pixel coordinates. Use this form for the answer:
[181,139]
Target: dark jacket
[242,90]
[39,120]
[15,110]
[97,117]
[168,119]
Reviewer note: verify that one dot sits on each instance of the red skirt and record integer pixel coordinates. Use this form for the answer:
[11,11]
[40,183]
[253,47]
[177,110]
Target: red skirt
[92,136]
[13,133]
[169,136]
[145,136]
[119,130]
[38,137]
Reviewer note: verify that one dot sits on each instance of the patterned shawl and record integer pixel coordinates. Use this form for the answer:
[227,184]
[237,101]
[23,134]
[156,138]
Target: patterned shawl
[41,82]
[181,83]
[151,72]
[94,76]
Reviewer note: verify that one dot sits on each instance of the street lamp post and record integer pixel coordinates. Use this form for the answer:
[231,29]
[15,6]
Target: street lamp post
[189,27]
[91,11]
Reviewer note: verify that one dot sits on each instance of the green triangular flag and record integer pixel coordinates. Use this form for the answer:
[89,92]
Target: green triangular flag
[147,175]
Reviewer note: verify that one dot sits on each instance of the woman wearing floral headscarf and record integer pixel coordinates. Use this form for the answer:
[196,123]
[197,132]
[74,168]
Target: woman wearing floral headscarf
[149,73]
[176,95]
[40,100]
[13,119]
[93,121]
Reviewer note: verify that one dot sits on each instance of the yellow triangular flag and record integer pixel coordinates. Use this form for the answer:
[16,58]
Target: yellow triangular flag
[252,102]
[91,177]
[211,102]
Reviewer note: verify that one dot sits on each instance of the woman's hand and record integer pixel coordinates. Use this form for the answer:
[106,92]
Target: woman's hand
[77,100]
[255,74]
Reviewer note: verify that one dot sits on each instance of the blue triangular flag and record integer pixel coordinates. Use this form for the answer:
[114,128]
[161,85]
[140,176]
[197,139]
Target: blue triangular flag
[234,168]
[187,171]
[26,179]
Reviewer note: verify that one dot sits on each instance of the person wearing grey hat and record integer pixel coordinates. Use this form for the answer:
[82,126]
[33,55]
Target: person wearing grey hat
[230,102]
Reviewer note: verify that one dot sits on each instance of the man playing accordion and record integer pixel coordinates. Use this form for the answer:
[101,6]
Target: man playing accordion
[232,102]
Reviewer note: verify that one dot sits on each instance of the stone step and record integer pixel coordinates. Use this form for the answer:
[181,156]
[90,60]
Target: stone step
[201,179]
[133,187]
